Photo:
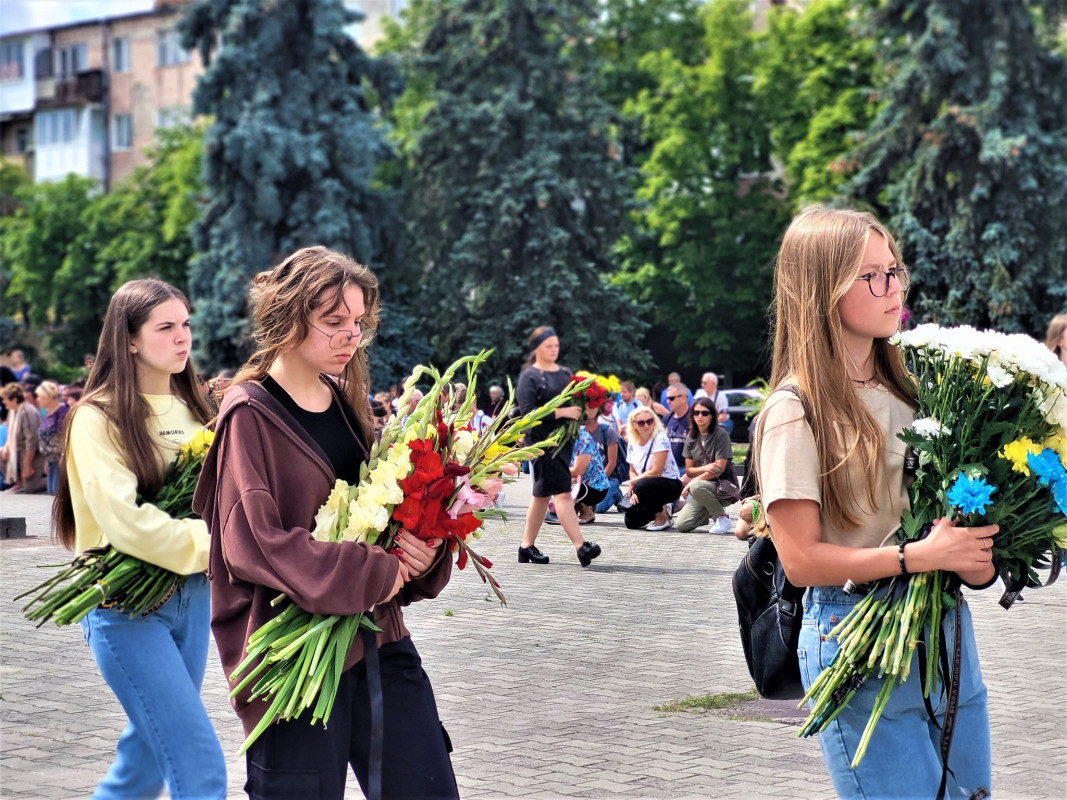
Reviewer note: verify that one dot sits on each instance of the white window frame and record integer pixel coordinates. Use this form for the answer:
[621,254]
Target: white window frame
[121,132]
[57,127]
[71,59]
[12,60]
[169,50]
[120,54]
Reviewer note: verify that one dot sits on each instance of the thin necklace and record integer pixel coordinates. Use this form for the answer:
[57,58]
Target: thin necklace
[162,413]
[864,383]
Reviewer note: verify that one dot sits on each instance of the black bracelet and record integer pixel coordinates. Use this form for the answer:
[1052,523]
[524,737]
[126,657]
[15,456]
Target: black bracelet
[900,557]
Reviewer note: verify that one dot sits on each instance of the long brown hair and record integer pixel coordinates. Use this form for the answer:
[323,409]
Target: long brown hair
[817,263]
[112,388]
[283,300]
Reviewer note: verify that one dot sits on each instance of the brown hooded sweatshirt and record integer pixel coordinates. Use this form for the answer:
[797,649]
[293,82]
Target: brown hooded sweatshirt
[262,483]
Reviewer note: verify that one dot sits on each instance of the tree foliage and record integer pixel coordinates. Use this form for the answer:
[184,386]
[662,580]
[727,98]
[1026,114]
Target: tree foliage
[968,160]
[817,79]
[709,217]
[292,153]
[514,194]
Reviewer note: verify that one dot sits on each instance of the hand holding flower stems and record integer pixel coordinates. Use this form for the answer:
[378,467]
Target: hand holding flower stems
[428,483]
[106,577]
[985,400]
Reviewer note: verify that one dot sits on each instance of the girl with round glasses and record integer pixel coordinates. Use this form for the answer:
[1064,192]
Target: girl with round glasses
[830,470]
[294,421]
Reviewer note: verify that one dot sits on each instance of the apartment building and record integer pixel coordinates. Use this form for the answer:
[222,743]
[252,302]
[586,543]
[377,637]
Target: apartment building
[87,98]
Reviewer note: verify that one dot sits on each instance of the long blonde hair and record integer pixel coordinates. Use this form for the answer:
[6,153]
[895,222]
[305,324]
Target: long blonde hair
[817,264]
[1055,331]
[112,388]
[283,300]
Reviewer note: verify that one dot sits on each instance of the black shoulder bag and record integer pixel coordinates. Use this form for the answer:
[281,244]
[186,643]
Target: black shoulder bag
[769,613]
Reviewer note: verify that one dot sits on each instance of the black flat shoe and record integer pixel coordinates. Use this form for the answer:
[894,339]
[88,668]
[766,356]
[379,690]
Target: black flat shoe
[532,554]
[587,552]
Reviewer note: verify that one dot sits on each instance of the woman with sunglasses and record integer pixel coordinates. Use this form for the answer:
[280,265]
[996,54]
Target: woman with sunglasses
[295,419]
[655,481]
[830,470]
[708,461]
[539,382]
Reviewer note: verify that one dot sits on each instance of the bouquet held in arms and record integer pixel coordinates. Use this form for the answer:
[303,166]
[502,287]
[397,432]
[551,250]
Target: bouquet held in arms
[589,391]
[992,417]
[103,576]
[429,474]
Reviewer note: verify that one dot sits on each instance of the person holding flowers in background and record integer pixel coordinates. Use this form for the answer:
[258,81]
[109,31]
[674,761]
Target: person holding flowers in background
[832,492]
[141,404]
[296,419]
[655,480]
[587,463]
[542,380]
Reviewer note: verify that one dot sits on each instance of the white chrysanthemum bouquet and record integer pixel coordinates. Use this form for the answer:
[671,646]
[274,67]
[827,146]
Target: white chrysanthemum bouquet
[991,447]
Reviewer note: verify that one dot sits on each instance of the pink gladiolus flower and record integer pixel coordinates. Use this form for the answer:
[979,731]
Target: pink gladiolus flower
[468,499]
[511,470]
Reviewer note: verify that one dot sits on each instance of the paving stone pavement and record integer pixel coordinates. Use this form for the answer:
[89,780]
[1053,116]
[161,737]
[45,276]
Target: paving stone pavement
[553,695]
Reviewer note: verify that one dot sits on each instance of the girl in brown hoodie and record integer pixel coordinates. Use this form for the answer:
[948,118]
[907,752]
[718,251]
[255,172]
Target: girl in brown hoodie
[295,420]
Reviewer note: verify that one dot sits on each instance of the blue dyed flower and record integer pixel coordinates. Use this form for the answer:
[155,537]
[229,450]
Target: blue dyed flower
[1059,494]
[970,495]
[1046,467]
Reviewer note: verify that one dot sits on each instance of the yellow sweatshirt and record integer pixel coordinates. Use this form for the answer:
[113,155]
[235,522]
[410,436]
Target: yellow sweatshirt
[104,490]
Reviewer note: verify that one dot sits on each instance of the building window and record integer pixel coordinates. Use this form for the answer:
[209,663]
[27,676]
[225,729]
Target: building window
[120,55]
[169,50]
[12,66]
[22,139]
[170,117]
[121,132]
[57,127]
[71,60]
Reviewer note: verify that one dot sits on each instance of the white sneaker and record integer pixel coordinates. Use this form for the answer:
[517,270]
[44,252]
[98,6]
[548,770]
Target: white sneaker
[722,525]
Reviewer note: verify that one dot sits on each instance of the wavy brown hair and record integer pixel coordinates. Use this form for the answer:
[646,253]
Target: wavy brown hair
[817,263]
[112,388]
[283,300]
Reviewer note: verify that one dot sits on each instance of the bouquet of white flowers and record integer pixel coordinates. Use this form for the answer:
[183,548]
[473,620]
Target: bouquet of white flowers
[991,446]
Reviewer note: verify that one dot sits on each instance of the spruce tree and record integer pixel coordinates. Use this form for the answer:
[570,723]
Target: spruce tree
[968,160]
[290,156]
[514,194]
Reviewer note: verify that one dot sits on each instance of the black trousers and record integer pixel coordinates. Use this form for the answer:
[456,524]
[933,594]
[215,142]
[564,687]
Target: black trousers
[652,495]
[297,760]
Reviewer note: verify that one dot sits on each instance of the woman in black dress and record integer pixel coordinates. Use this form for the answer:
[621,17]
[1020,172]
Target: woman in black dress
[539,382]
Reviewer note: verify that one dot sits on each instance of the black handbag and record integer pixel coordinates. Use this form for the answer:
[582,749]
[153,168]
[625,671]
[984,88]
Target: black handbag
[769,613]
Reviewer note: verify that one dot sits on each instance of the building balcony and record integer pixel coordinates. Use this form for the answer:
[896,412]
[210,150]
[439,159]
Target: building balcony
[71,90]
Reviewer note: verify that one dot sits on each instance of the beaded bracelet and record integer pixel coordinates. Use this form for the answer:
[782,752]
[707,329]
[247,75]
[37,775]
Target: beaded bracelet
[900,557]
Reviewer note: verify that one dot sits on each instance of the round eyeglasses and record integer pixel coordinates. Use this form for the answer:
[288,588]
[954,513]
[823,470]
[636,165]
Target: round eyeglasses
[878,281]
[339,339]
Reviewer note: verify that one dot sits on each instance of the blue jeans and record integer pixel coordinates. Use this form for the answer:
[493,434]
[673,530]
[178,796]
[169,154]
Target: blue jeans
[155,666]
[903,757]
[52,478]
[613,496]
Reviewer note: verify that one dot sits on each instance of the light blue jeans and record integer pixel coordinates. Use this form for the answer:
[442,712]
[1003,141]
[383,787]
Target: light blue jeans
[613,496]
[903,757]
[155,666]
[52,478]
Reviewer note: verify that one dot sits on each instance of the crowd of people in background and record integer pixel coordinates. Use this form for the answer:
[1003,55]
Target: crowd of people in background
[696,425]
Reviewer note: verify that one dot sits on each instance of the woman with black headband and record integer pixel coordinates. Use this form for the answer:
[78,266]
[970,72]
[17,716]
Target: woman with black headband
[539,382]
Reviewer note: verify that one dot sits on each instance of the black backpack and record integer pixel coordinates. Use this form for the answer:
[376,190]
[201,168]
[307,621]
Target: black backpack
[769,614]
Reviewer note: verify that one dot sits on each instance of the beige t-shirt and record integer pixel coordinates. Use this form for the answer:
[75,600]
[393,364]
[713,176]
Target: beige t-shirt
[789,465]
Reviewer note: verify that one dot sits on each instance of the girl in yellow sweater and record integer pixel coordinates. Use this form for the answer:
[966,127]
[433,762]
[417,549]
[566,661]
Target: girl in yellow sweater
[141,404]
